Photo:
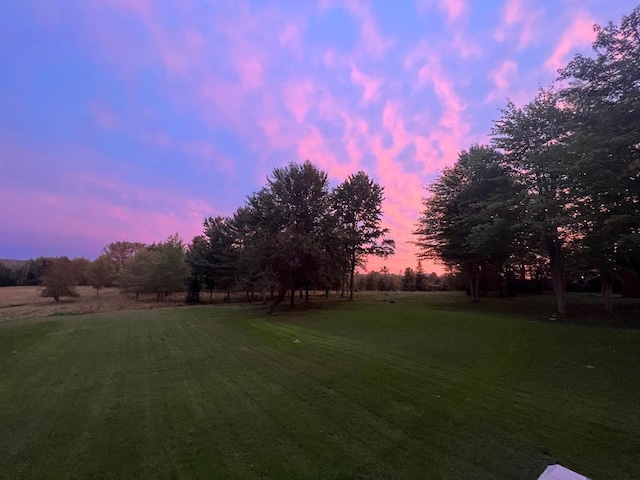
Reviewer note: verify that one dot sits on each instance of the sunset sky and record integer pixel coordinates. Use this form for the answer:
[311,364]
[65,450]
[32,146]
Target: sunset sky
[136,119]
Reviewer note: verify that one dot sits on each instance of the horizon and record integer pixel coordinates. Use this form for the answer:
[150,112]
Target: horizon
[128,123]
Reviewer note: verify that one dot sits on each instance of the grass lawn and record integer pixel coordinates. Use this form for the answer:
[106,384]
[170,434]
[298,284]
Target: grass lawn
[425,387]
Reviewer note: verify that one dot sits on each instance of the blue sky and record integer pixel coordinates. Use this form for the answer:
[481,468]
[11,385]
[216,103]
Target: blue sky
[136,119]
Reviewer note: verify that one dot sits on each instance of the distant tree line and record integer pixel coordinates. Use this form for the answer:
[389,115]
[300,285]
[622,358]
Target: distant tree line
[293,235]
[557,192]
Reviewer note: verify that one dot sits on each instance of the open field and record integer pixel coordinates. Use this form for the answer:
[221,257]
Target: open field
[419,388]
[26,302]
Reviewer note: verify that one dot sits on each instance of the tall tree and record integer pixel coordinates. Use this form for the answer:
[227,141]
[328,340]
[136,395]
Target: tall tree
[100,273]
[169,270]
[469,217]
[134,274]
[158,268]
[534,141]
[603,96]
[120,252]
[287,220]
[59,279]
[358,205]
[8,277]
[409,280]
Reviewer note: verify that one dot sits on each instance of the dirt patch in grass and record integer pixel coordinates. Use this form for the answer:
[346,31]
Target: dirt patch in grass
[26,302]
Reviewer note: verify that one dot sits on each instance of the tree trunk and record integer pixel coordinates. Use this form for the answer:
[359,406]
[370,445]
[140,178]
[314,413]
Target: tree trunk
[211,296]
[557,271]
[606,281]
[282,292]
[292,300]
[474,283]
[351,274]
[306,294]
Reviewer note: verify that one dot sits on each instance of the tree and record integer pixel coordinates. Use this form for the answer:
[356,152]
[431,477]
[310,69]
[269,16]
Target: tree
[101,273]
[8,277]
[409,280]
[59,279]
[534,142]
[469,218]
[121,252]
[198,259]
[168,270]
[602,95]
[420,277]
[286,225]
[134,275]
[358,205]
[80,266]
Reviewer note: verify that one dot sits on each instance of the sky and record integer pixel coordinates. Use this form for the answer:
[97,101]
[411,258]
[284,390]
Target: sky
[136,119]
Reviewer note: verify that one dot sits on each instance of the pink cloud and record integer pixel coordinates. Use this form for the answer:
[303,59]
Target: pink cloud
[60,215]
[519,20]
[453,8]
[371,41]
[250,72]
[465,47]
[329,58]
[454,128]
[298,97]
[290,37]
[272,128]
[502,76]
[579,34]
[369,84]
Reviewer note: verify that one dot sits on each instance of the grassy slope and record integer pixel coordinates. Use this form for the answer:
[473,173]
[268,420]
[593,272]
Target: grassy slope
[404,390]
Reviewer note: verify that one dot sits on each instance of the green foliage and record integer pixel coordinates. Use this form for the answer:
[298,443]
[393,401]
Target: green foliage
[33,271]
[567,186]
[80,266]
[8,277]
[603,96]
[158,268]
[358,206]
[121,252]
[59,279]
[469,219]
[409,280]
[290,229]
[101,272]
[134,277]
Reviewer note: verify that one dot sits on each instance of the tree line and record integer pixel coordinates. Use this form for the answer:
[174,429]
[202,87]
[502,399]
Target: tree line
[558,187]
[294,234]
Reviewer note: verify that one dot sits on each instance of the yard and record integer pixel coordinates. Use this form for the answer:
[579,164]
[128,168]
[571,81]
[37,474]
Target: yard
[424,387]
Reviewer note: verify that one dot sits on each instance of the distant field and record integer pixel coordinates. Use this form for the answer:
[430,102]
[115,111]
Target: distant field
[26,302]
[425,387]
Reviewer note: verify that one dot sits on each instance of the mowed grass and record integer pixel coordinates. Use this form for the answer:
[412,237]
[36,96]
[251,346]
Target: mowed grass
[412,389]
